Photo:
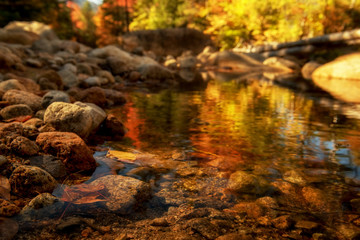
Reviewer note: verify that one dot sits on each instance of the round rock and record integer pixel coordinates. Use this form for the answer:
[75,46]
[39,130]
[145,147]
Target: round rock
[28,181]
[14,111]
[11,84]
[243,182]
[70,148]
[54,96]
[23,97]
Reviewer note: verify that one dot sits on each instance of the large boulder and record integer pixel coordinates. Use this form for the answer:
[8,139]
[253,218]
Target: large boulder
[68,147]
[23,97]
[126,193]
[341,77]
[79,118]
[29,181]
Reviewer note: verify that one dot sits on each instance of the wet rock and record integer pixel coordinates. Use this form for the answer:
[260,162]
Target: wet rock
[114,97]
[348,231]
[187,61]
[70,67]
[28,181]
[243,182]
[118,66]
[8,59]
[23,97]
[283,222]
[318,200]
[42,45]
[70,148]
[50,80]
[11,129]
[54,96]
[307,225]
[126,193]
[269,205]
[40,201]
[66,46]
[8,209]
[308,69]
[114,126]
[204,227]
[40,114]
[24,147]
[8,228]
[68,78]
[108,51]
[95,95]
[78,118]
[170,62]
[295,177]
[251,209]
[51,164]
[11,84]
[14,111]
[340,77]
[159,222]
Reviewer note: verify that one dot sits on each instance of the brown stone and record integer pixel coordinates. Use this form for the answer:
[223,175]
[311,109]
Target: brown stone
[24,147]
[8,209]
[114,126]
[70,148]
[94,95]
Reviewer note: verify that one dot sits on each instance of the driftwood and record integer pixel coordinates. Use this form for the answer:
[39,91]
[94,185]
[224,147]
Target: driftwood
[306,45]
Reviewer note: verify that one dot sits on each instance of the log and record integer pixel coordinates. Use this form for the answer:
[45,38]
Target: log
[332,38]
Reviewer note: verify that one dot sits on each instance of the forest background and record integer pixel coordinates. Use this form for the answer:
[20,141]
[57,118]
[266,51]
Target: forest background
[231,23]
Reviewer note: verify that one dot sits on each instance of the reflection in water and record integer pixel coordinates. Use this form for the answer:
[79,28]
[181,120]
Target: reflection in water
[243,125]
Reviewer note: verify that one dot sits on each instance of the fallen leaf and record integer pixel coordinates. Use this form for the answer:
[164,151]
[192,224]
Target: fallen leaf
[122,156]
[19,119]
[84,194]
[4,188]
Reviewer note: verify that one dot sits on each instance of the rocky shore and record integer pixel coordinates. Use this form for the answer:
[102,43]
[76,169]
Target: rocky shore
[54,100]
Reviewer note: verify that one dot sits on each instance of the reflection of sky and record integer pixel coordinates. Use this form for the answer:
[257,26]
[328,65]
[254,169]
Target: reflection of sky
[98,2]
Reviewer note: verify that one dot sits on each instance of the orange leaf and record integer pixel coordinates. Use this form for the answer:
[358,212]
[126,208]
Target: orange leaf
[83,194]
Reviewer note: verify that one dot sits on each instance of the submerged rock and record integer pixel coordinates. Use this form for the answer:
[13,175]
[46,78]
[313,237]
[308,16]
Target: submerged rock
[243,182]
[126,193]
[70,148]
[28,181]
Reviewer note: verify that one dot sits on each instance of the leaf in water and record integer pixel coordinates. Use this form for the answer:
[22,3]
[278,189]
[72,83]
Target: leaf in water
[83,194]
[4,188]
[122,156]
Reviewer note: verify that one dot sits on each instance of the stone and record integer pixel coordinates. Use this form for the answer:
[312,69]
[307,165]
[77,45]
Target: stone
[106,75]
[50,80]
[84,68]
[155,71]
[28,181]
[23,97]
[347,231]
[70,67]
[14,111]
[114,97]
[3,160]
[113,126]
[40,201]
[283,222]
[8,228]
[308,225]
[318,200]
[340,77]
[34,123]
[29,84]
[42,45]
[8,59]
[251,209]
[11,129]
[11,84]
[54,96]
[67,117]
[51,164]
[235,236]
[243,182]
[17,37]
[8,209]
[186,61]
[308,69]
[97,114]
[126,193]
[118,66]
[92,81]
[33,63]
[68,78]
[68,147]
[108,51]
[23,146]
[170,62]
[295,176]
[204,227]
[95,95]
